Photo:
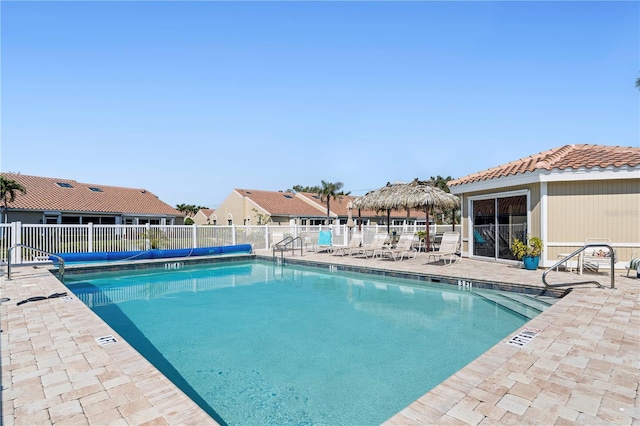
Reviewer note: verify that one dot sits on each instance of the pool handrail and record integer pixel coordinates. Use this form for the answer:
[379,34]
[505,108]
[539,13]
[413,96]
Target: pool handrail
[60,259]
[569,256]
[282,246]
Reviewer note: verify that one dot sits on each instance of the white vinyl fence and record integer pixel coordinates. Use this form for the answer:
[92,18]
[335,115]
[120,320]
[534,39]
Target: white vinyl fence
[109,238]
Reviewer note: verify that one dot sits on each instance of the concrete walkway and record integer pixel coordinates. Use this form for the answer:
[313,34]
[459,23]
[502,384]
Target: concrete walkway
[582,367]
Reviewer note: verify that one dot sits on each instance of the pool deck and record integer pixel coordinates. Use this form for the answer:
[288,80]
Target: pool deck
[582,368]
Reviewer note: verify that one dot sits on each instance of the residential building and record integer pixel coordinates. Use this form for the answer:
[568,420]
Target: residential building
[66,201]
[204,217]
[565,196]
[256,207]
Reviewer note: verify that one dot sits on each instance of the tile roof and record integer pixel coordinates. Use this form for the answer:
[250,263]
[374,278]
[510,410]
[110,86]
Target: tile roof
[282,203]
[568,157]
[45,194]
[308,204]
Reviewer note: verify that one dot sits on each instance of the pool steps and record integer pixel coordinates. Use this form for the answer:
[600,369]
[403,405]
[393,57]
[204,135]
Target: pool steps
[525,305]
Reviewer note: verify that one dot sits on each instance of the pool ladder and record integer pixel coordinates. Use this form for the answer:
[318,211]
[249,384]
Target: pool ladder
[287,244]
[60,259]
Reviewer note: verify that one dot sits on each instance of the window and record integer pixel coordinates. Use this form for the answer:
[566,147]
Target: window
[70,220]
[95,189]
[64,185]
[51,220]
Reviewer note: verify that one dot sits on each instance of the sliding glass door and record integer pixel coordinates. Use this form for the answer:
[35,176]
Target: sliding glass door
[496,222]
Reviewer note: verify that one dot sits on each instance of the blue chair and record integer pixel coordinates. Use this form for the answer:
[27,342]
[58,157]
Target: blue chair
[325,242]
[477,237]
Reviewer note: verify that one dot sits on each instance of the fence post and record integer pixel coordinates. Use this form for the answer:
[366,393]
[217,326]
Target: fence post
[148,239]
[266,236]
[195,236]
[233,234]
[90,237]
[16,238]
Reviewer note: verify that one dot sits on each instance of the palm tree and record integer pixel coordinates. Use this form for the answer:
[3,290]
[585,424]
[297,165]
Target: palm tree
[8,190]
[328,191]
[181,207]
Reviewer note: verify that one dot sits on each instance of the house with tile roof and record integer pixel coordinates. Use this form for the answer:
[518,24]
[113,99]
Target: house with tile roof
[204,217]
[66,201]
[253,207]
[565,196]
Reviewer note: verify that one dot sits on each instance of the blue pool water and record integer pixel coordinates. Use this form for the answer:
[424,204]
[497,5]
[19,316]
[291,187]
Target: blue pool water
[254,343]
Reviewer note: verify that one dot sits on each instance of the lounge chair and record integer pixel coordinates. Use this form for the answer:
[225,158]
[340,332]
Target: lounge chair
[594,257]
[349,249]
[404,246]
[377,244]
[448,248]
[325,242]
[634,263]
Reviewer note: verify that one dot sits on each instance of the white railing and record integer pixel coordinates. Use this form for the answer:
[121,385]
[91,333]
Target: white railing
[109,238]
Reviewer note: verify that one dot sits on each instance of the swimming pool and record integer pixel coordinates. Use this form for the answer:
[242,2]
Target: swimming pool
[255,343]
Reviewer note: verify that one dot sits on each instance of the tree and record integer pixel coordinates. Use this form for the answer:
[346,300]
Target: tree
[263,219]
[328,191]
[8,190]
[182,208]
[440,182]
[300,188]
[638,83]
[442,215]
[189,209]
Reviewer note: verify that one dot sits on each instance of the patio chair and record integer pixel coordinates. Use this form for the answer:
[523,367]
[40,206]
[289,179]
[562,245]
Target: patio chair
[353,245]
[593,257]
[378,243]
[325,242]
[448,248]
[404,246]
[634,263]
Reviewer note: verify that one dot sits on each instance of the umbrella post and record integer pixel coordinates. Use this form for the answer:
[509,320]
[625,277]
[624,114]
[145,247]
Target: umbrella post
[388,221]
[428,238]
[453,219]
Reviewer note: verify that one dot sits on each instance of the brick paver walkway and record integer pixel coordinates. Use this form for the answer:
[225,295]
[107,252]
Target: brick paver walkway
[583,366]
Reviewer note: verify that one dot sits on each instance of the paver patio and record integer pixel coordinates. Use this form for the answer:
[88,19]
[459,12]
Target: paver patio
[583,366]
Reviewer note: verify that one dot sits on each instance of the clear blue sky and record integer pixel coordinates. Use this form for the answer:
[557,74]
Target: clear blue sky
[192,99]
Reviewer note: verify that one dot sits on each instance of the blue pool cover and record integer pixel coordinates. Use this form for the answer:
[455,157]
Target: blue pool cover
[150,254]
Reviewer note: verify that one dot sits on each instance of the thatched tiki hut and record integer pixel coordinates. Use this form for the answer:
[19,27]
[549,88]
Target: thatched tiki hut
[403,196]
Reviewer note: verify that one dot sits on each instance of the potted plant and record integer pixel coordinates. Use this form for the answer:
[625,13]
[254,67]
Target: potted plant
[528,252]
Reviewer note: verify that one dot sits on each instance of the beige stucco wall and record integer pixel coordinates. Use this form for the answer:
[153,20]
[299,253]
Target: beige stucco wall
[239,207]
[200,218]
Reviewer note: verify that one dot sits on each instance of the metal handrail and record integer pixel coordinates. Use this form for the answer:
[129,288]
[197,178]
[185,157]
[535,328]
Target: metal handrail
[60,259]
[281,246]
[580,250]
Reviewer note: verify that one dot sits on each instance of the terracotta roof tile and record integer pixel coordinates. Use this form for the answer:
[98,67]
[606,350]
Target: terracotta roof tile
[46,194]
[281,203]
[309,205]
[563,158]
